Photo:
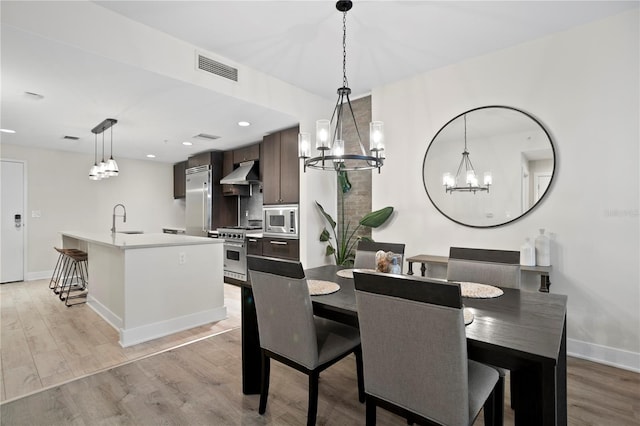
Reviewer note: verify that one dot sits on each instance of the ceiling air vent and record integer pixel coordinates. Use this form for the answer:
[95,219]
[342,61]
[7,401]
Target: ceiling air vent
[217,68]
[71,138]
[206,136]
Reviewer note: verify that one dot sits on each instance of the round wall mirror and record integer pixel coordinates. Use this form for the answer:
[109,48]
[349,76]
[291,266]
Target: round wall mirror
[489,166]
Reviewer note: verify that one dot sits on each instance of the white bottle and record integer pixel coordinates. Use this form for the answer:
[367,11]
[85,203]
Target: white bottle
[527,253]
[543,249]
[395,268]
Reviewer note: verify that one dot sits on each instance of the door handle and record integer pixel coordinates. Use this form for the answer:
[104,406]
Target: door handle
[204,206]
[278,243]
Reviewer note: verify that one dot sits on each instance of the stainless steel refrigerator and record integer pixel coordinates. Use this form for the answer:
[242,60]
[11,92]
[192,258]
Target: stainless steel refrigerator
[198,201]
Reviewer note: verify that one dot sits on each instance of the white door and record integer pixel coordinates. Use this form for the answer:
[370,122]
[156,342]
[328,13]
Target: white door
[12,228]
[542,183]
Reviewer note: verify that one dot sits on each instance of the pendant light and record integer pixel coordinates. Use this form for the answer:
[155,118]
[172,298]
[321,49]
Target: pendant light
[329,138]
[112,166]
[93,171]
[454,184]
[104,169]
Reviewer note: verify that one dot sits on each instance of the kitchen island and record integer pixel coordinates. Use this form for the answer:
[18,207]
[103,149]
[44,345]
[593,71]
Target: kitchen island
[152,285]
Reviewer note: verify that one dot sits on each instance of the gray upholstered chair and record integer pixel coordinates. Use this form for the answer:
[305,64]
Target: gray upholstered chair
[291,334]
[366,253]
[495,267]
[414,352]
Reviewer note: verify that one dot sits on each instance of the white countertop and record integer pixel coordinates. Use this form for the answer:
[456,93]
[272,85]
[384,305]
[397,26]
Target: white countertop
[133,241]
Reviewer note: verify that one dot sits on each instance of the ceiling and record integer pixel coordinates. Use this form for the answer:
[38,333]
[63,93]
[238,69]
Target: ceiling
[299,42]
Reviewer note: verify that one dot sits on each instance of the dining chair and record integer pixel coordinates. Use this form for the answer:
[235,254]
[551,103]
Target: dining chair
[495,267]
[414,352]
[366,253]
[291,334]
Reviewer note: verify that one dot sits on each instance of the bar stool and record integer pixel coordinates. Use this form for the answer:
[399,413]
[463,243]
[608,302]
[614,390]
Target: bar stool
[60,267]
[72,276]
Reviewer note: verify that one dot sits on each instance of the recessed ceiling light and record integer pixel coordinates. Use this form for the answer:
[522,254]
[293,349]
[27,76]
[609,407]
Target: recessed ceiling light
[187,143]
[151,156]
[7,131]
[244,123]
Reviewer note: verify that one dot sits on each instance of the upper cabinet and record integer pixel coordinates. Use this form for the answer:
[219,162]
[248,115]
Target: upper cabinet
[179,180]
[247,153]
[281,167]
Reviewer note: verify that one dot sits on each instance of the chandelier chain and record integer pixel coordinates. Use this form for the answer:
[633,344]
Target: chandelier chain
[344,49]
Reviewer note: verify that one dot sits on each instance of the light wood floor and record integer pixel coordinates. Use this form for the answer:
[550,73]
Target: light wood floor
[43,342]
[200,384]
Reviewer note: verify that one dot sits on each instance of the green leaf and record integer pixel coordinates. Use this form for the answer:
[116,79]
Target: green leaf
[330,251]
[327,216]
[343,181]
[376,218]
[325,236]
[366,239]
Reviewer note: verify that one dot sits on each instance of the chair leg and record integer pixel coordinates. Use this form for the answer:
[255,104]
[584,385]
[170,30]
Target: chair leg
[264,385]
[513,376]
[358,354]
[313,398]
[370,412]
[498,406]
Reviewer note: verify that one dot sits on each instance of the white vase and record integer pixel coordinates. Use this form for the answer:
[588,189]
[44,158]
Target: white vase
[527,253]
[543,249]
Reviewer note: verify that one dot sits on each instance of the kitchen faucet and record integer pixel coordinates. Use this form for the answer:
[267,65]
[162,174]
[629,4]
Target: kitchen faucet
[113,217]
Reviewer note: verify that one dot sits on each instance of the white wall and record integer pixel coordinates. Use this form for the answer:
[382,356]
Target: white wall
[583,85]
[58,186]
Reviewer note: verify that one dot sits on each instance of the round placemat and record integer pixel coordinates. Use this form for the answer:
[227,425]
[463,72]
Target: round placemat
[479,291]
[468,316]
[348,273]
[318,287]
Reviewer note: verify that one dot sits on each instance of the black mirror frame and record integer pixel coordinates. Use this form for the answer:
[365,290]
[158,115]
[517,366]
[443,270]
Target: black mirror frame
[553,174]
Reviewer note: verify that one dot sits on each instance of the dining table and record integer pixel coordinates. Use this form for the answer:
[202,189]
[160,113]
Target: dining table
[524,332]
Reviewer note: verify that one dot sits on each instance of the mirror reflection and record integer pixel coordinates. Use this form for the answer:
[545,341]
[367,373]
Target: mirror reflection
[489,166]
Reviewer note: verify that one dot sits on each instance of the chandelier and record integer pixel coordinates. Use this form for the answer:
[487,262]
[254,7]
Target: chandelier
[466,172]
[103,170]
[329,137]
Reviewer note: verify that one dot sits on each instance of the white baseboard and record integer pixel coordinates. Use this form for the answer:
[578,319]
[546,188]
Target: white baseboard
[619,358]
[152,331]
[114,320]
[40,275]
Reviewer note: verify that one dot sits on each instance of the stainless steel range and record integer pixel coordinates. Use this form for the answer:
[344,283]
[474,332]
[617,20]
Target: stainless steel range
[235,250]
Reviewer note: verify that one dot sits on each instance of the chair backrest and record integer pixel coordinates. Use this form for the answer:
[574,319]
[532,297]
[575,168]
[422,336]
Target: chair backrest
[284,310]
[414,345]
[494,267]
[366,253]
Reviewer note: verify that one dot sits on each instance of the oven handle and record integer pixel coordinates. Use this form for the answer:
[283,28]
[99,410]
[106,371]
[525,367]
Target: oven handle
[239,245]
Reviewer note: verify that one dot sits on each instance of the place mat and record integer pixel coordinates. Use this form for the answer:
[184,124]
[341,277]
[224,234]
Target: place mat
[348,273]
[479,291]
[468,316]
[318,287]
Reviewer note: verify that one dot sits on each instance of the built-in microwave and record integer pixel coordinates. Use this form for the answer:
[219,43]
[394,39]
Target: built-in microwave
[281,221]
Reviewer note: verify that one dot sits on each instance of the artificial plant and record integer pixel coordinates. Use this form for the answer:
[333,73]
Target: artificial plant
[346,239]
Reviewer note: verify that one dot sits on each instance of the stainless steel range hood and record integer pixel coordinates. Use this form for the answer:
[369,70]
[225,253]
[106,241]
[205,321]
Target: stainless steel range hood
[243,175]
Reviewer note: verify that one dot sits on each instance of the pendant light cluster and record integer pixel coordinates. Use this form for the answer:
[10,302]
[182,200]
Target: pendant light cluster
[103,170]
[467,173]
[329,139]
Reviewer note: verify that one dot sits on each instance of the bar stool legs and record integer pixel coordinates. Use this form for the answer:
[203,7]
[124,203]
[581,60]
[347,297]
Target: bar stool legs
[70,276]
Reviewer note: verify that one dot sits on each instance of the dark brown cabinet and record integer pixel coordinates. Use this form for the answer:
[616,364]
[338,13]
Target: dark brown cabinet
[282,248]
[179,180]
[281,167]
[254,246]
[246,153]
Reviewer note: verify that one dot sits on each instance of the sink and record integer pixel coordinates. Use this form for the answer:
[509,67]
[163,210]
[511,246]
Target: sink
[130,232]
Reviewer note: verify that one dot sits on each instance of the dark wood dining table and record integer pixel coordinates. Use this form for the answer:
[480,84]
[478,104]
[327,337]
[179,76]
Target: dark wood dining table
[520,331]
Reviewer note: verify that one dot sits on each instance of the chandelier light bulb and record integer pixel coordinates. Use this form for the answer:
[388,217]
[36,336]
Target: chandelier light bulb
[304,145]
[488,179]
[322,134]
